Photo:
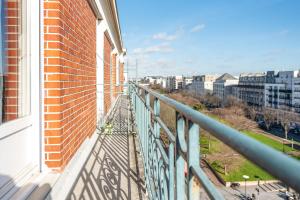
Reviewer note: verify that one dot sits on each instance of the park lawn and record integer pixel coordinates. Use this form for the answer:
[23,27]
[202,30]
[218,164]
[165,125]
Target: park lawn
[268,141]
[214,144]
[247,168]
[215,117]
[260,137]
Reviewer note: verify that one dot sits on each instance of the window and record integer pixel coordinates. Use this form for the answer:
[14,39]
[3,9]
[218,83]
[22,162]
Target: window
[14,66]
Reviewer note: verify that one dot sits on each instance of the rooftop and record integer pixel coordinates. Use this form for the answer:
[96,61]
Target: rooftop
[225,77]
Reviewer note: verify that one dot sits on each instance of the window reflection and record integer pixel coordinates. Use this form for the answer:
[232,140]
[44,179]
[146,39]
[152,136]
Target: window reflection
[14,69]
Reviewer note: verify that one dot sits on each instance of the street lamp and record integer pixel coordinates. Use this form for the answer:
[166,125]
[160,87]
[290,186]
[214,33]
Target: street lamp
[245,178]
[258,179]
[257,189]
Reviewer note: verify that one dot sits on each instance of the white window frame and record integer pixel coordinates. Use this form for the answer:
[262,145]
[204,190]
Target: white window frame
[22,122]
[24,71]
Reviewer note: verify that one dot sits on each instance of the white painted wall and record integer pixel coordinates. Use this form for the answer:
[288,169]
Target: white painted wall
[102,27]
[100,70]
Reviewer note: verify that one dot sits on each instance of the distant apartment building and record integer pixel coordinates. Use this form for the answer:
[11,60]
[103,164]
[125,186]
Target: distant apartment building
[170,83]
[163,82]
[187,82]
[223,86]
[179,82]
[251,89]
[151,79]
[296,94]
[282,90]
[175,83]
[202,85]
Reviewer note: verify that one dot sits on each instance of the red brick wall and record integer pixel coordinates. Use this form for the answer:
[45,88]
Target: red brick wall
[121,72]
[70,78]
[114,75]
[13,22]
[107,76]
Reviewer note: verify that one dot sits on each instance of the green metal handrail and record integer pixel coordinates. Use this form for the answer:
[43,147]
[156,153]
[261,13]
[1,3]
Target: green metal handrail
[161,165]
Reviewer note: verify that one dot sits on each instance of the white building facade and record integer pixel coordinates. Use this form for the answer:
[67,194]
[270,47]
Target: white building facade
[223,85]
[203,85]
[175,83]
[283,91]
[251,89]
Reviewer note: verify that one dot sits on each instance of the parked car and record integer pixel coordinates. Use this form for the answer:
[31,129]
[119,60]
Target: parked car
[262,124]
[294,128]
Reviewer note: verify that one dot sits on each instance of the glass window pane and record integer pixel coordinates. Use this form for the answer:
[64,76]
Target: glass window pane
[14,69]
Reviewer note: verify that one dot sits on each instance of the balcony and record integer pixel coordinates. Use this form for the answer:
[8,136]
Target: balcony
[114,168]
[130,160]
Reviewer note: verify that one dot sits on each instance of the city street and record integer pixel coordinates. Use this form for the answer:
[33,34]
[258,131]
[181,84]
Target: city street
[239,193]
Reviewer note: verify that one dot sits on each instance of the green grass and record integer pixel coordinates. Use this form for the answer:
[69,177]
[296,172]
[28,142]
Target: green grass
[249,169]
[217,118]
[204,144]
[268,141]
[246,167]
[236,175]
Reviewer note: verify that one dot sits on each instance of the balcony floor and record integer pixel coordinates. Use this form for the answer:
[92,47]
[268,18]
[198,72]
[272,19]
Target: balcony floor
[114,167]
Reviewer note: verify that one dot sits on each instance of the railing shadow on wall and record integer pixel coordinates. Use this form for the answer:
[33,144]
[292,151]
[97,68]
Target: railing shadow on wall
[171,171]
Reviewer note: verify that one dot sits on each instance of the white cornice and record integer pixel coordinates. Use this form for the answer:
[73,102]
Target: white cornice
[95,9]
[111,15]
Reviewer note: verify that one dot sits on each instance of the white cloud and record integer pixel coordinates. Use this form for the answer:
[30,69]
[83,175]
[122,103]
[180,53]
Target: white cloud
[189,61]
[165,36]
[160,48]
[197,28]
[161,66]
[283,32]
[168,37]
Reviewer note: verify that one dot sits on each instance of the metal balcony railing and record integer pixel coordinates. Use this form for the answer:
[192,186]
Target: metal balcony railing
[165,167]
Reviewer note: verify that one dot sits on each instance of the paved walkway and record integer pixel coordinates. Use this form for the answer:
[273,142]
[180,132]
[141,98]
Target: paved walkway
[113,169]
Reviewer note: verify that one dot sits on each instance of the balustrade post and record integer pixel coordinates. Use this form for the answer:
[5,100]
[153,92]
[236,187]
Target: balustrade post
[193,160]
[148,118]
[156,136]
[171,171]
[157,114]
[140,114]
[180,148]
[135,103]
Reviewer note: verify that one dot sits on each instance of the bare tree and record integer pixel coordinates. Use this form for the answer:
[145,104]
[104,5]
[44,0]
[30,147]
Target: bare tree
[232,101]
[269,117]
[250,112]
[286,119]
[211,101]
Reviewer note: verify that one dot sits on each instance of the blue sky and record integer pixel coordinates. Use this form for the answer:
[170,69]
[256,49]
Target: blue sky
[210,36]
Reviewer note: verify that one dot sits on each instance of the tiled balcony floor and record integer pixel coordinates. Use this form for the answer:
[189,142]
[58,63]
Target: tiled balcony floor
[114,168]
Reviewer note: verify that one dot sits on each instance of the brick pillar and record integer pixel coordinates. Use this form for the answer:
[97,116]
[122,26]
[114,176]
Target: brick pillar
[107,73]
[114,76]
[70,78]
[121,71]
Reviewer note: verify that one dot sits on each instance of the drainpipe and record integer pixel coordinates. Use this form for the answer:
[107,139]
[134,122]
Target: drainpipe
[41,88]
